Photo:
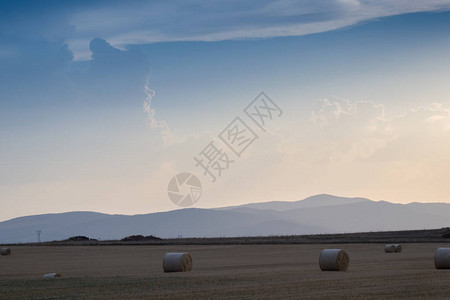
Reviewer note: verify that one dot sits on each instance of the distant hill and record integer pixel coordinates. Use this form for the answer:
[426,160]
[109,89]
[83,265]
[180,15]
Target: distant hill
[316,214]
[313,201]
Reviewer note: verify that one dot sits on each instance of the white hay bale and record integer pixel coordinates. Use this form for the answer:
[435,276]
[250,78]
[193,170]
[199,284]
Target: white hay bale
[52,275]
[393,248]
[5,251]
[390,248]
[333,260]
[442,258]
[177,262]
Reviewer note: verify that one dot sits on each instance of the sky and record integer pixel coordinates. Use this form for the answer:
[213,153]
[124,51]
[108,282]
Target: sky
[102,103]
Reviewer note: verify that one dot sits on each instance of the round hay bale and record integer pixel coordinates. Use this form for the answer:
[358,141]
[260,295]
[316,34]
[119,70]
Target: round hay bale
[390,248]
[398,248]
[333,260]
[442,258]
[52,275]
[5,251]
[177,262]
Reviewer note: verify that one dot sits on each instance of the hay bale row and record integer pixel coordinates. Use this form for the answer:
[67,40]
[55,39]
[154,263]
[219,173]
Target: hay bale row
[177,262]
[5,251]
[393,248]
[333,260]
[329,260]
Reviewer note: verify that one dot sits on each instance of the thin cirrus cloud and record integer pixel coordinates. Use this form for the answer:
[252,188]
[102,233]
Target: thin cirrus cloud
[363,130]
[167,21]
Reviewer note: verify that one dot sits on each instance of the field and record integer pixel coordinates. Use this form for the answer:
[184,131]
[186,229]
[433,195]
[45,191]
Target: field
[221,271]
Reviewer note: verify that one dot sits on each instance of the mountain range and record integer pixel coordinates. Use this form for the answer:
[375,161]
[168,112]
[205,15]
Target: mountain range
[316,214]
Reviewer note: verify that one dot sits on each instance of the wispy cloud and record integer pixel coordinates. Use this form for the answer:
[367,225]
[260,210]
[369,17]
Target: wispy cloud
[166,134]
[352,129]
[165,21]
[356,130]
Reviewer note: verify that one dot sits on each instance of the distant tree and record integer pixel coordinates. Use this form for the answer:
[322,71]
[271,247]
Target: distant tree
[139,237]
[80,238]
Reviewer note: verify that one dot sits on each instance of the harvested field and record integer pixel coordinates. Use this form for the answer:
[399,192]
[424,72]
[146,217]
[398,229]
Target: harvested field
[221,271]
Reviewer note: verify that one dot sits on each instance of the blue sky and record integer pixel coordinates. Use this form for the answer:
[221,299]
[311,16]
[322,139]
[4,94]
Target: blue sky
[361,83]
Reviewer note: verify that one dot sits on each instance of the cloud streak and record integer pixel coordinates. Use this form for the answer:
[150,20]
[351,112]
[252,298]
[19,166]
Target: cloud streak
[168,21]
[166,134]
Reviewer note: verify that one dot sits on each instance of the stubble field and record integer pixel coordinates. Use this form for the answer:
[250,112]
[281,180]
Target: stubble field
[221,271]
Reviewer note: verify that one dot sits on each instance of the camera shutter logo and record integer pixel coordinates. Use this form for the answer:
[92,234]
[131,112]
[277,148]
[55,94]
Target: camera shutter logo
[184,189]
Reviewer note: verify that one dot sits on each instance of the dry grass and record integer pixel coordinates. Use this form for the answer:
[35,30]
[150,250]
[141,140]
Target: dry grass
[222,271]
